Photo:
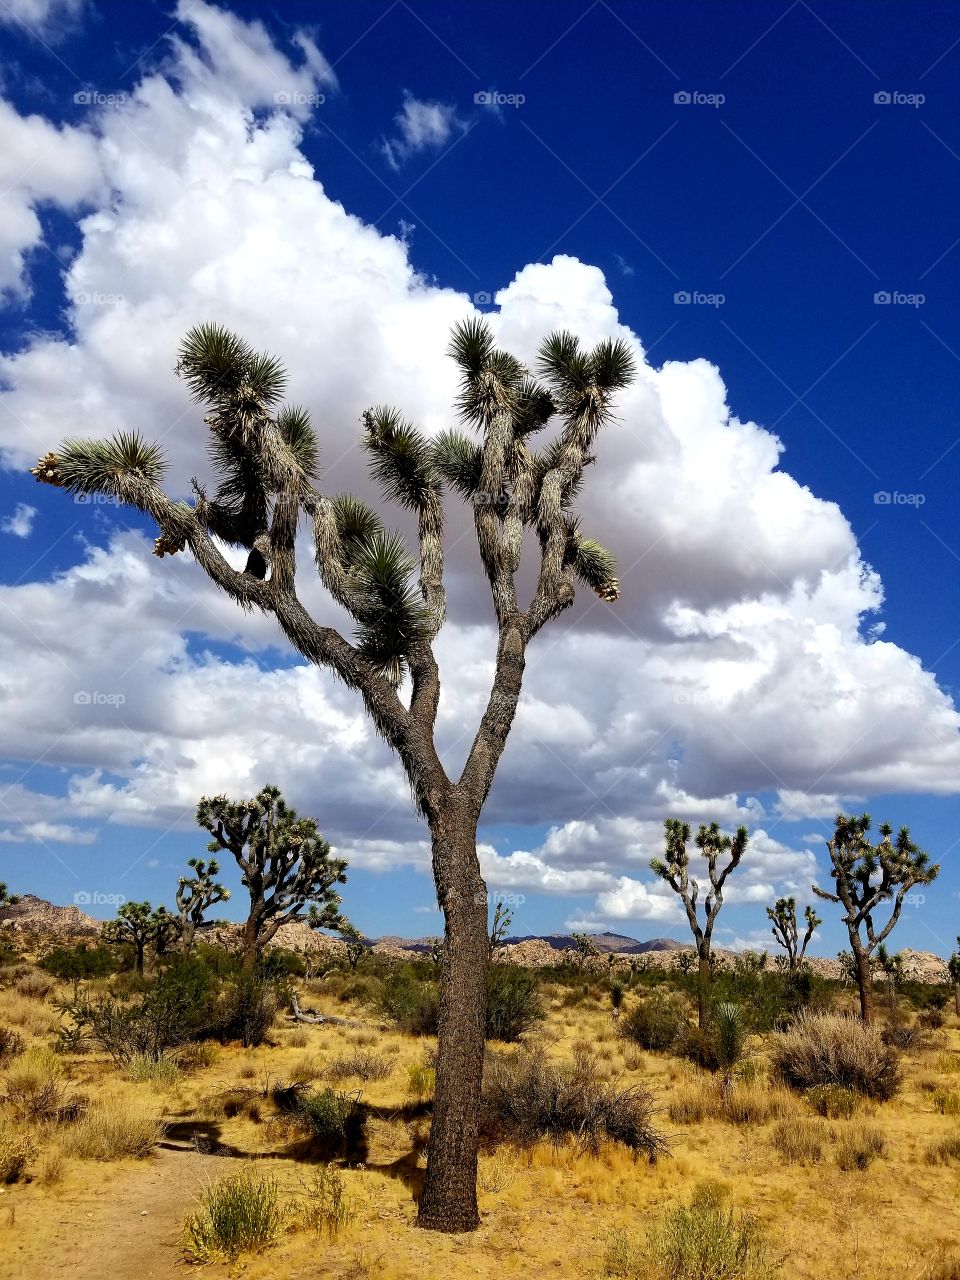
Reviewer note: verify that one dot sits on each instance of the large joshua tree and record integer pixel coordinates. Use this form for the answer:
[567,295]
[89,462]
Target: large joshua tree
[266,461]
[674,868]
[865,876]
[284,862]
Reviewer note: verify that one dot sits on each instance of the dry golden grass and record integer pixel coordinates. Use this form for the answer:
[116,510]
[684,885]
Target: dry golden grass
[548,1210]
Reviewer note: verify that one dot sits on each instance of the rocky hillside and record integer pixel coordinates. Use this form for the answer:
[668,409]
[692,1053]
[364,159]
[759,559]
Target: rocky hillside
[34,915]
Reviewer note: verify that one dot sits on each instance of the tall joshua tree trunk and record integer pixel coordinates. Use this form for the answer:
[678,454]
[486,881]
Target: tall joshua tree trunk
[266,457]
[861,967]
[704,976]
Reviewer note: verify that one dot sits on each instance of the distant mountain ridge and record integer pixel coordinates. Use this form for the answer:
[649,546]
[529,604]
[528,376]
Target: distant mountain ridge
[604,942]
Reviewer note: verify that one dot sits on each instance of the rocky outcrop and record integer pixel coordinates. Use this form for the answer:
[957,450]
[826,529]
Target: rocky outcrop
[32,915]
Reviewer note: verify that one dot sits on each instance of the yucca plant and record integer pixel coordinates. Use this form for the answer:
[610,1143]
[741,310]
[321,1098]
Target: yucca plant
[265,459]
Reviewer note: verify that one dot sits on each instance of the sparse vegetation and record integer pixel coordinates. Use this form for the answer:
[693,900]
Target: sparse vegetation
[710,1240]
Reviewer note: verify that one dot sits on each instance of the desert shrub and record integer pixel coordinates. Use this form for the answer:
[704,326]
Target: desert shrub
[298,1038]
[35,1090]
[195,1055]
[334,1120]
[35,985]
[51,1167]
[248,1008]
[17,1149]
[513,1002]
[526,1098]
[411,1002]
[905,1035]
[11,1044]
[421,1079]
[278,962]
[699,1045]
[656,1022]
[833,1101]
[327,1206]
[709,1240]
[944,1150]
[946,1102]
[114,1130]
[826,1049]
[73,964]
[930,1019]
[748,1102]
[162,1073]
[691,1103]
[360,1065]
[239,1214]
[859,1146]
[799,1141]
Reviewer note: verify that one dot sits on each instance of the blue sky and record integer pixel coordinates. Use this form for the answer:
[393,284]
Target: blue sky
[765,187]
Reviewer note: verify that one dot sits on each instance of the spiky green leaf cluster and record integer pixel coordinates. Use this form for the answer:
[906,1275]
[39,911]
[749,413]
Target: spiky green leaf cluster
[102,466]
[400,459]
[458,460]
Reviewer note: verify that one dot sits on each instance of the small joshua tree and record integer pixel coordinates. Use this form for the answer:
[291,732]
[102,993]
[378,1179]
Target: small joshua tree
[7,899]
[356,947]
[674,868]
[890,965]
[865,876]
[953,967]
[584,949]
[499,927]
[266,459]
[164,930]
[284,861]
[196,894]
[783,916]
[135,925]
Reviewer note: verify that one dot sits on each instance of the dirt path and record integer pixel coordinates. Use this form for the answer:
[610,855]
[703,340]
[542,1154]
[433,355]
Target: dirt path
[127,1228]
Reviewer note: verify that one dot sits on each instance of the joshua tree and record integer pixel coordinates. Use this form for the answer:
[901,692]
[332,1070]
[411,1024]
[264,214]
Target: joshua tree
[499,927]
[135,924]
[674,868]
[196,894]
[866,875]
[783,916]
[616,998]
[356,947]
[891,966]
[266,458]
[164,930]
[953,966]
[284,861]
[7,899]
[584,949]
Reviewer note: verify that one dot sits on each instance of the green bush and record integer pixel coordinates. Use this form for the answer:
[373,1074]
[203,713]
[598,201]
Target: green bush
[709,1240]
[247,1009]
[658,1022]
[729,1030]
[73,964]
[833,1101]
[240,1214]
[328,1208]
[513,1002]
[411,1002]
[526,1098]
[335,1121]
